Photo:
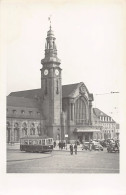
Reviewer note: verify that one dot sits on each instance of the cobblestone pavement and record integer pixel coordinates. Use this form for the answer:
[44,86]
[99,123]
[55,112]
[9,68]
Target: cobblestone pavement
[62,162]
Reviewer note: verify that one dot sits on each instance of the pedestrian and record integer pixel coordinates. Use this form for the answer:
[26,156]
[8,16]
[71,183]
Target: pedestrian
[71,149]
[59,145]
[54,144]
[90,145]
[75,148]
[64,145]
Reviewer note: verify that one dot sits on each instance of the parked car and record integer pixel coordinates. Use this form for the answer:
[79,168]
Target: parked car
[97,146]
[104,143]
[113,147]
[85,146]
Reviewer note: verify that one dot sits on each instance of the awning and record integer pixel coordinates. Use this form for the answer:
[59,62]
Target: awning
[86,130]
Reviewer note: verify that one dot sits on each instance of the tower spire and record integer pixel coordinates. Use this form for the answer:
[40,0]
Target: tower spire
[50,47]
[49,18]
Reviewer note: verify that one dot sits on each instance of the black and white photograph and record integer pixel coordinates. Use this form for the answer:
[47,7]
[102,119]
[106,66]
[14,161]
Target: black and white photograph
[63,79]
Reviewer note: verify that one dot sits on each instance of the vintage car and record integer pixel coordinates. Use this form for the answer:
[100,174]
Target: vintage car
[97,146]
[85,146]
[94,145]
[113,148]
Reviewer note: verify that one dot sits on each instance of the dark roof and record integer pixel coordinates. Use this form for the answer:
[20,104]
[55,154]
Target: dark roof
[68,89]
[98,112]
[34,93]
[22,102]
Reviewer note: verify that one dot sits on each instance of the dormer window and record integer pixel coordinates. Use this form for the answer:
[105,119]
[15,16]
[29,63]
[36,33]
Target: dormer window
[14,111]
[30,112]
[22,111]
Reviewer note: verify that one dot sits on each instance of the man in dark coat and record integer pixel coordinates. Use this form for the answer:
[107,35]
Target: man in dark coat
[71,149]
[75,148]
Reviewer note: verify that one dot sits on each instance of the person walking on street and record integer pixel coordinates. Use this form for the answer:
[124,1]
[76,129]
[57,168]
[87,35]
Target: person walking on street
[75,148]
[90,145]
[71,149]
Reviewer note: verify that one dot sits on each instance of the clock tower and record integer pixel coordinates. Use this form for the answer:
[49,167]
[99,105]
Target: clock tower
[51,88]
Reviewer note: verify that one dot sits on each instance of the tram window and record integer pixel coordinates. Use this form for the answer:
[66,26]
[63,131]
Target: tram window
[30,142]
[43,141]
[39,142]
[25,142]
[49,141]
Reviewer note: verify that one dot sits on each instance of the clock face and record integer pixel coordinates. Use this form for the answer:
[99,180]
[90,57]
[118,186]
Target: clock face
[46,72]
[57,72]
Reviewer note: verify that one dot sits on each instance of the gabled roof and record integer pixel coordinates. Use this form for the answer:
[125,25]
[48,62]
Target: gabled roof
[68,89]
[22,102]
[98,112]
[33,93]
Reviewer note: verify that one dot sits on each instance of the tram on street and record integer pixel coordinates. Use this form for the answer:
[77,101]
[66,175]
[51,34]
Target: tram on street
[36,144]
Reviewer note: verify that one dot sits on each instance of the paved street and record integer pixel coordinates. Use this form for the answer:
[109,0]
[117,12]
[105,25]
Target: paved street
[62,162]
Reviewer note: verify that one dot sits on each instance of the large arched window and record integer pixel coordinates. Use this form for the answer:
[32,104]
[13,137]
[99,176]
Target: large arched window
[8,132]
[16,132]
[80,111]
[24,129]
[32,129]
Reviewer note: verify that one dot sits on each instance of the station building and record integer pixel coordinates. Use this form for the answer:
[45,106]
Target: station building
[107,124]
[63,112]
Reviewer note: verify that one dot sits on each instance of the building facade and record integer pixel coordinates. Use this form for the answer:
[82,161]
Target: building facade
[108,125]
[61,112]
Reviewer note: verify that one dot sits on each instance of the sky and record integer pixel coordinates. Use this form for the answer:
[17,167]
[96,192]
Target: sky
[89,39]
[90,42]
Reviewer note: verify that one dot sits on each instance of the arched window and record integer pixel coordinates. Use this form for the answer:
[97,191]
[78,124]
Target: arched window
[24,129]
[16,132]
[32,129]
[80,111]
[8,132]
[39,129]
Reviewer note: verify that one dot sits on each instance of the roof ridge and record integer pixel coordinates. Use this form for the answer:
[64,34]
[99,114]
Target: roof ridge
[25,90]
[72,84]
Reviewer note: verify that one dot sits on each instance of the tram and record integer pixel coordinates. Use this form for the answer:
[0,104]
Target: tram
[36,144]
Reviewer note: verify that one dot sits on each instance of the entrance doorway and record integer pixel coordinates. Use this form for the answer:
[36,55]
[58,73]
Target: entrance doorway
[86,137]
[80,138]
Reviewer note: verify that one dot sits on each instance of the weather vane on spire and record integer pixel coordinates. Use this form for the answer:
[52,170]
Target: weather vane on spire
[49,18]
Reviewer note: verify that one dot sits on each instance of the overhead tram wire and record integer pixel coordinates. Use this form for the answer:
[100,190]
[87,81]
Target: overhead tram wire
[112,92]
